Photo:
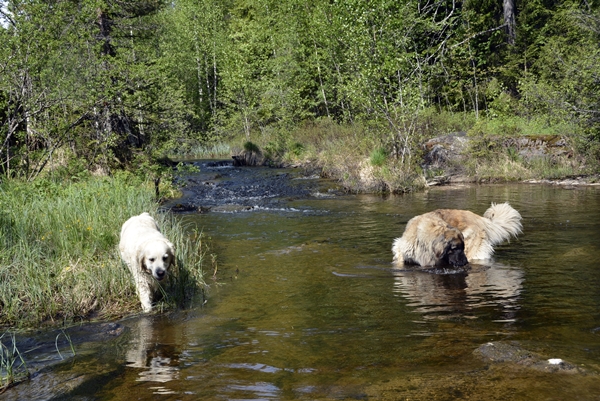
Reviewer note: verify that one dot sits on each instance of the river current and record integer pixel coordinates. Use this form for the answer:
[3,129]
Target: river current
[306,304]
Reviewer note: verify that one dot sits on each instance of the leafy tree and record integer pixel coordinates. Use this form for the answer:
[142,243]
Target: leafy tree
[113,82]
[564,83]
[82,77]
[35,58]
[191,48]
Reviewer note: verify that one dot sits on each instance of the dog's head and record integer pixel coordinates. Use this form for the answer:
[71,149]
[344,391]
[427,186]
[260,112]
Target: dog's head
[450,248]
[156,258]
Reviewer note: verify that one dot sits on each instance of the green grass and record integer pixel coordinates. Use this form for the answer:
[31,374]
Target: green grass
[251,147]
[502,167]
[495,156]
[379,157]
[59,258]
[515,126]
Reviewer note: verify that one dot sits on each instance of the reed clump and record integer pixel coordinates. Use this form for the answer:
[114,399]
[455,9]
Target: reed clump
[59,258]
[13,368]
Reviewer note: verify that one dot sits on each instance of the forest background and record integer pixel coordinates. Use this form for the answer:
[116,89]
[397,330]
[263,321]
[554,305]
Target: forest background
[94,86]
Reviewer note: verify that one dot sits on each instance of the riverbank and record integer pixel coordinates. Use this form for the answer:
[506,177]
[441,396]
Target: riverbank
[369,160]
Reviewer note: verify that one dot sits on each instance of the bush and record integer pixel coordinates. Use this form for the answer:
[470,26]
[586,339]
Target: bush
[379,157]
[251,147]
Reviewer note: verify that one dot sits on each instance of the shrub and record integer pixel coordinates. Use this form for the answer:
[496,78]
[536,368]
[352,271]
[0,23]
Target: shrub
[251,147]
[379,157]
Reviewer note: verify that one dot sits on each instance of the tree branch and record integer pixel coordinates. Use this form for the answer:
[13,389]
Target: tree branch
[478,34]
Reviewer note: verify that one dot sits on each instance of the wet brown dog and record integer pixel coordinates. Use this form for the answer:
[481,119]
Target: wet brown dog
[455,237]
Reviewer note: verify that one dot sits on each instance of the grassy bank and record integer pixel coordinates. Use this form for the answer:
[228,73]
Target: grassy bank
[373,158]
[59,258]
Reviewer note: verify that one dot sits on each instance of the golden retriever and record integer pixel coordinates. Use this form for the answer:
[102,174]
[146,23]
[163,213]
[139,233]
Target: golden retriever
[147,253]
[455,237]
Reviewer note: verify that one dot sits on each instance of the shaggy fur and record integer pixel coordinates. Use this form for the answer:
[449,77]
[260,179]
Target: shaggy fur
[147,253]
[439,237]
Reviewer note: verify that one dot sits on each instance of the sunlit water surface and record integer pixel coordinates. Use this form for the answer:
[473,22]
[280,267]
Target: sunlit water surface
[308,306]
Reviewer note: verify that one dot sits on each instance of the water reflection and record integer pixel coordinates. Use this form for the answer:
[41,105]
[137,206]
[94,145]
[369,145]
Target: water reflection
[155,361]
[449,295]
[261,390]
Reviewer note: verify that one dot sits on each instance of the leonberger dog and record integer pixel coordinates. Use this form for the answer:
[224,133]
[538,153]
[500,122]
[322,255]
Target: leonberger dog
[147,253]
[451,237]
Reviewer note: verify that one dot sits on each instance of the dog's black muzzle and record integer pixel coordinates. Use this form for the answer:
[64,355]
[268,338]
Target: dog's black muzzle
[458,260]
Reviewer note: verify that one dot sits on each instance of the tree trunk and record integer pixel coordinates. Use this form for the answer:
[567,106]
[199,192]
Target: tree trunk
[105,26]
[509,20]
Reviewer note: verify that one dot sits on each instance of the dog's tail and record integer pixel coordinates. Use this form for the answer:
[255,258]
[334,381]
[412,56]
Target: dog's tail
[506,222]
[398,250]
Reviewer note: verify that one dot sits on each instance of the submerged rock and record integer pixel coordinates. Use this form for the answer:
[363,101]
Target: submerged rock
[513,353]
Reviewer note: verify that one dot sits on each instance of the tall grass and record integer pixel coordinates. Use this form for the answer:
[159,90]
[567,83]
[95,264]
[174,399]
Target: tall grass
[356,155]
[58,250]
[493,157]
[203,151]
[515,126]
[505,167]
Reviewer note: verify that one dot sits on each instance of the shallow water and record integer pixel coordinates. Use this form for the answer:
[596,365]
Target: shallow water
[307,306]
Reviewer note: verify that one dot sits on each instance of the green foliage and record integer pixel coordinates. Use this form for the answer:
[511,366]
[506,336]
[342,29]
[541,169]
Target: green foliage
[183,169]
[515,126]
[513,154]
[85,77]
[297,149]
[435,122]
[274,150]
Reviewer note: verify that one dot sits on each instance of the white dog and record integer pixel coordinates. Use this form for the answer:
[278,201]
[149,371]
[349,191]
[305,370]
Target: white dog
[147,253]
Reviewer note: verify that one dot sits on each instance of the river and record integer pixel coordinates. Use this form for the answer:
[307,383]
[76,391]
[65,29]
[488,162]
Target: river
[306,304]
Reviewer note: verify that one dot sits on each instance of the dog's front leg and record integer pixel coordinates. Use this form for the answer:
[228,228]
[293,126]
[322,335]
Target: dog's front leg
[145,293]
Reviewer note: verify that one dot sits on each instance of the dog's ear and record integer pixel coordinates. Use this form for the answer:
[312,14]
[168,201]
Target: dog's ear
[142,262]
[439,247]
[171,251]
[443,242]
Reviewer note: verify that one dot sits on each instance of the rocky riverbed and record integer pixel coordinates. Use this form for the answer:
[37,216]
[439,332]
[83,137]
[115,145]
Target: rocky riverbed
[222,186]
